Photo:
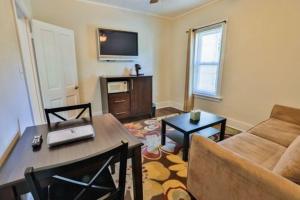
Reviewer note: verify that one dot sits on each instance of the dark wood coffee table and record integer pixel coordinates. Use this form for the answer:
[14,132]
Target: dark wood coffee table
[185,128]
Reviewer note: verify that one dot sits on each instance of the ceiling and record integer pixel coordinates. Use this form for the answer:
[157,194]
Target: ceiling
[165,8]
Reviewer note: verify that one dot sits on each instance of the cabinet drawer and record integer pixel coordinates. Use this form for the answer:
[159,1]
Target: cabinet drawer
[121,110]
[118,97]
[119,105]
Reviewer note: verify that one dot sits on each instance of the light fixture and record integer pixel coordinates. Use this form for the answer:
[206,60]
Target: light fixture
[103,37]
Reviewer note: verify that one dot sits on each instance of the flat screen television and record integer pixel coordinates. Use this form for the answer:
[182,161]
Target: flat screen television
[117,45]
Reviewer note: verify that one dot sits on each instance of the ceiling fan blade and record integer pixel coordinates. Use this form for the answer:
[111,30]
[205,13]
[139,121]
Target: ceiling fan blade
[153,1]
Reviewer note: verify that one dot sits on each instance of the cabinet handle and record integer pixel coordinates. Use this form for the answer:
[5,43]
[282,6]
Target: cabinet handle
[131,84]
[121,113]
[120,101]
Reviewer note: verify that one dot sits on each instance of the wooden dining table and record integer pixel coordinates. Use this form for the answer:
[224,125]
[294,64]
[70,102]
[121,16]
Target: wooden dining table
[108,132]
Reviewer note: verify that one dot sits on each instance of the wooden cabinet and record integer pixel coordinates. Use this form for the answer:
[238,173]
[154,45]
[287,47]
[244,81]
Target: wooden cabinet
[137,101]
[141,95]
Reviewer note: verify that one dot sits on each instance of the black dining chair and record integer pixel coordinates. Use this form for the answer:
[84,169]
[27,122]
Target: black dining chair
[55,111]
[84,179]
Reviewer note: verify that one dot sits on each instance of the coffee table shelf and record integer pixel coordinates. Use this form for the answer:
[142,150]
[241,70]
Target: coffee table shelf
[178,137]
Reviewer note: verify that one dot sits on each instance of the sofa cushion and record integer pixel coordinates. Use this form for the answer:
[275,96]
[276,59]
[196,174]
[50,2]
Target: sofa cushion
[275,130]
[256,149]
[287,114]
[289,164]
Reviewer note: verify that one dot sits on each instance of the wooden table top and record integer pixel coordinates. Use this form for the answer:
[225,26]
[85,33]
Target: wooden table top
[108,133]
[182,122]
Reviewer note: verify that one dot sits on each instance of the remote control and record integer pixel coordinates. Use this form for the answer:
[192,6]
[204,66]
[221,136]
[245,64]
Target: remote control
[37,141]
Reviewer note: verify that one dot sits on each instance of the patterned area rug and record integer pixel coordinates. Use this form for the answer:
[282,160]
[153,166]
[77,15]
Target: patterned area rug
[164,172]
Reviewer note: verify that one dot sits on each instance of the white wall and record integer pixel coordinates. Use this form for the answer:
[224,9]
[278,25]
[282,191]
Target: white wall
[84,18]
[15,113]
[261,57]
[262,65]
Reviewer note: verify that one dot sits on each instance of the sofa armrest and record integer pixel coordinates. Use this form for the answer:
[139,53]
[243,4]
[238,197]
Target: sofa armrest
[288,114]
[215,173]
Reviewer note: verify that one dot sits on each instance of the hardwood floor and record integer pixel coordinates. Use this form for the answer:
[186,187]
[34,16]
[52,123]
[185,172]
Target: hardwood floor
[166,111]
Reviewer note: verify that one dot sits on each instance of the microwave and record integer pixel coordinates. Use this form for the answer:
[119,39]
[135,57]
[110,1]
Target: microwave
[117,87]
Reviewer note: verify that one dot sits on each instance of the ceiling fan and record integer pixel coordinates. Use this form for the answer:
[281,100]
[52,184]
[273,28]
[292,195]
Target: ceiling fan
[154,1]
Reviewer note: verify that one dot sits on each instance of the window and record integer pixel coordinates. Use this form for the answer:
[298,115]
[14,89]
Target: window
[207,61]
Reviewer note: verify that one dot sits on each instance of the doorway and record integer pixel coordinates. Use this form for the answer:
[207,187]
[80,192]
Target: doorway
[50,66]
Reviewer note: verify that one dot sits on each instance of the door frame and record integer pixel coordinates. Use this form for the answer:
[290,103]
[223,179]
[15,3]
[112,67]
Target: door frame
[29,65]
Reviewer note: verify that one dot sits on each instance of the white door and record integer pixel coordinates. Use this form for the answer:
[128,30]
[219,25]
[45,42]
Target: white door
[56,63]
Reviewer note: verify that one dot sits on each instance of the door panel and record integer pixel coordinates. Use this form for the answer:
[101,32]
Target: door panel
[54,104]
[141,95]
[51,65]
[72,100]
[56,63]
[68,59]
[57,102]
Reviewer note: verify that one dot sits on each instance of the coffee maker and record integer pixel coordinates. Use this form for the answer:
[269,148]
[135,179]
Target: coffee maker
[137,69]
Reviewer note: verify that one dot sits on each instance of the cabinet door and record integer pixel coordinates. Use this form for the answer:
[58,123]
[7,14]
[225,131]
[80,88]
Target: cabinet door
[141,95]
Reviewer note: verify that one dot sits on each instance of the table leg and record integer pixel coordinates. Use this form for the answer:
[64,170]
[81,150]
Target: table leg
[186,144]
[137,174]
[8,193]
[223,128]
[163,132]
[17,197]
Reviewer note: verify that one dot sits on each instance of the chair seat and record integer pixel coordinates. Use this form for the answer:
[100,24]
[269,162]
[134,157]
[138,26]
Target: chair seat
[67,191]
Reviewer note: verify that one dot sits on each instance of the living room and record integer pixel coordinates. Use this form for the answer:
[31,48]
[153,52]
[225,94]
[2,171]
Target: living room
[253,60]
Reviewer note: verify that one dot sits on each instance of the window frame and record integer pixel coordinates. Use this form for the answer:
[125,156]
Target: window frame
[209,96]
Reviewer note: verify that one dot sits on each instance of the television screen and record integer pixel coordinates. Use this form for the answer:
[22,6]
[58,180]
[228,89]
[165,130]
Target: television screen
[117,43]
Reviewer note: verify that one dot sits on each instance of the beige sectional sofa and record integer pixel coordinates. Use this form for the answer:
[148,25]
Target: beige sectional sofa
[260,164]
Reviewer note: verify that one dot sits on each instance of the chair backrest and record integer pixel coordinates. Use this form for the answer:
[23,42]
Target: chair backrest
[37,179]
[54,111]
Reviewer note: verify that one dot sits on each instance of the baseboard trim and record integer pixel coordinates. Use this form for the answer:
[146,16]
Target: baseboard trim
[9,149]
[236,124]
[177,105]
[173,104]
[163,104]
[239,125]
[233,123]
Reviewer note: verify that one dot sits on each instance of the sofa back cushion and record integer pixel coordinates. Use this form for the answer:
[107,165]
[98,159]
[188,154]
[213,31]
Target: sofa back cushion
[288,165]
[278,131]
[288,114]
